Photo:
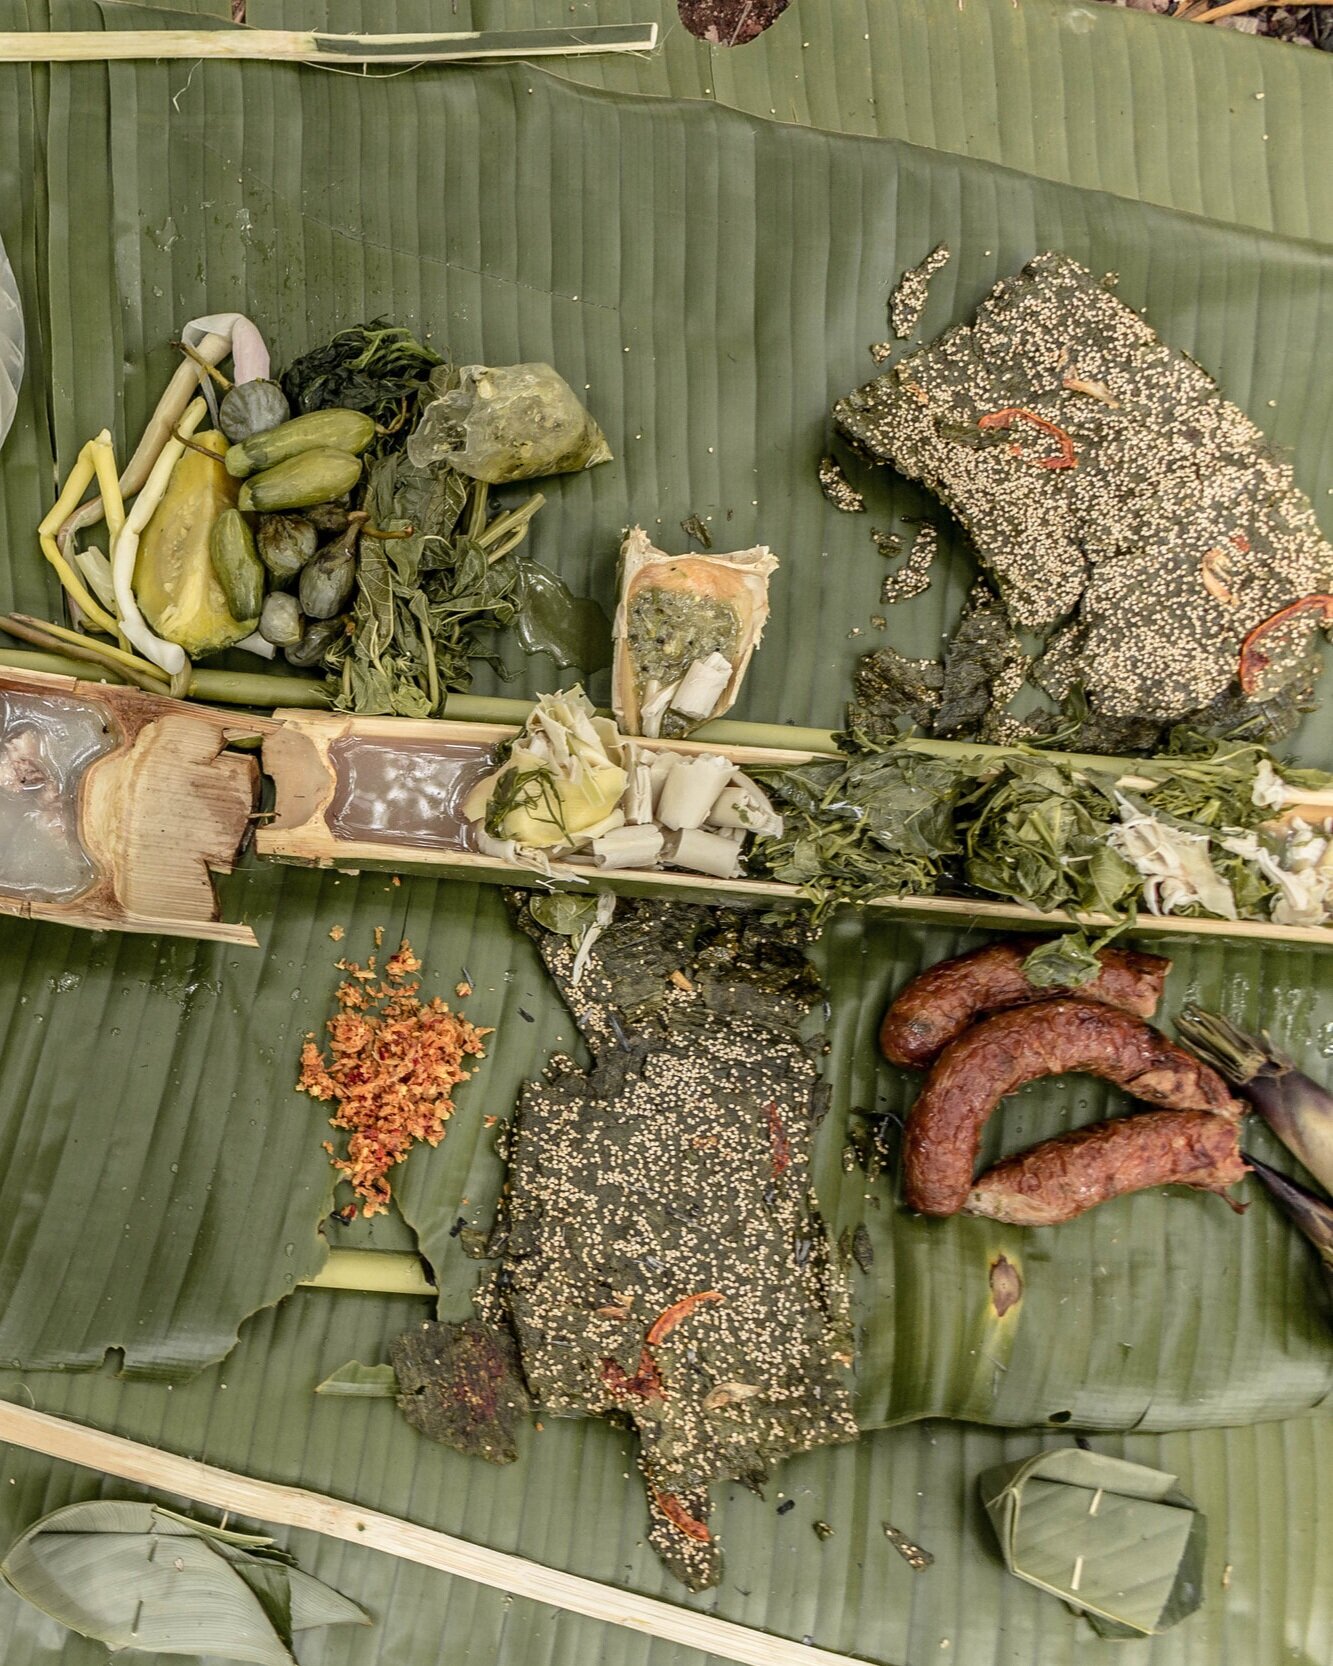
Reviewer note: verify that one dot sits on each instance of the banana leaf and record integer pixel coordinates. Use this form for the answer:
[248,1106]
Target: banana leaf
[207,1202]
[568,1499]
[133,1577]
[161,1175]
[1028,86]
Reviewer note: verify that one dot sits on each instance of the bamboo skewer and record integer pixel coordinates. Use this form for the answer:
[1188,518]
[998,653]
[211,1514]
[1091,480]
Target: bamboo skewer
[1234,8]
[222,1489]
[310,47]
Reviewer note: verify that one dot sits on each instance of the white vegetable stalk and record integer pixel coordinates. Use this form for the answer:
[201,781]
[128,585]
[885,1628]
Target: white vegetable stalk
[169,655]
[638,799]
[1175,866]
[503,850]
[249,354]
[629,847]
[606,907]
[256,644]
[691,790]
[97,570]
[701,687]
[742,805]
[704,852]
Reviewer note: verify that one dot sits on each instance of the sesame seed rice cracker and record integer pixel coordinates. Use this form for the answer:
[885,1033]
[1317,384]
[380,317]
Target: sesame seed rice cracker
[664,1261]
[1100,472]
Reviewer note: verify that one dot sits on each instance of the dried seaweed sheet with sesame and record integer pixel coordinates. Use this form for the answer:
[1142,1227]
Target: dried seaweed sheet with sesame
[664,1258]
[461,1385]
[1106,482]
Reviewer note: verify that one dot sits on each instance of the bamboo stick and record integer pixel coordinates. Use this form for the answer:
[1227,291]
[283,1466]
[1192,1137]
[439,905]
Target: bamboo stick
[264,689]
[222,1489]
[302,46]
[1234,8]
[382,1272]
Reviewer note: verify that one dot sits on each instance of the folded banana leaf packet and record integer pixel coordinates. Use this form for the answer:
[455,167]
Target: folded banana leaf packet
[1119,1542]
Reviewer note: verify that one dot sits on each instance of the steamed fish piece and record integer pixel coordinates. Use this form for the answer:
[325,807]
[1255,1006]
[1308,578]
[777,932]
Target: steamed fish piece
[685,629]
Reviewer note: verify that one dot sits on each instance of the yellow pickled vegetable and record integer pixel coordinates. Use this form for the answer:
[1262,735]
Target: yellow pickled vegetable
[537,806]
[174,579]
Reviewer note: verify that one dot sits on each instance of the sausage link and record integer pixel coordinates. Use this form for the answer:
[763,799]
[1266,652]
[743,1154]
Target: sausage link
[938,1006]
[999,1054]
[1060,1178]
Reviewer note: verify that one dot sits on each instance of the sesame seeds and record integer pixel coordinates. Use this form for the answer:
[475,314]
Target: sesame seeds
[908,300]
[838,489]
[913,577]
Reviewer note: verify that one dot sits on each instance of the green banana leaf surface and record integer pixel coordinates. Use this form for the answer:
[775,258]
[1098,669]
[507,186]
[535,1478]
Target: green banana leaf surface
[709,282]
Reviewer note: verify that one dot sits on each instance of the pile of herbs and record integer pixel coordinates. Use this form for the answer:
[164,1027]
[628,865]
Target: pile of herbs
[447,575]
[921,818]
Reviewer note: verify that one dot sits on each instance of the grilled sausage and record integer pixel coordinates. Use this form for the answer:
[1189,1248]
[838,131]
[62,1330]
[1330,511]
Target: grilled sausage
[1060,1178]
[999,1054]
[938,1006]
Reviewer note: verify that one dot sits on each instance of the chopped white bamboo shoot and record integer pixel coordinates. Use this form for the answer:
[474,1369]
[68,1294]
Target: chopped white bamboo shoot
[656,704]
[691,790]
[628,847]
[700,688]
[638,799]
[741,804]
[704,852]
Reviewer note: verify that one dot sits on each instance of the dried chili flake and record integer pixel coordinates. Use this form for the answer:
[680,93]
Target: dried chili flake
[394,1063]
[679,1517]
[669,1318]
[1064,459]
[645,1384]
[1253,660]
[778,1144]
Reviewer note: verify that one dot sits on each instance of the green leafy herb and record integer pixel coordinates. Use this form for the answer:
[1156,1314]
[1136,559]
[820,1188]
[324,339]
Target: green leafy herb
[1068,961]
[379,368]
[533,790]
[1037,834]
[563,912]
[879,824]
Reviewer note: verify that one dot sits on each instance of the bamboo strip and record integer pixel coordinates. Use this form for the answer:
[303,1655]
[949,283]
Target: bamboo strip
[309,47]
[304,778]
[222,1489]
[382,1272]
[1234,8]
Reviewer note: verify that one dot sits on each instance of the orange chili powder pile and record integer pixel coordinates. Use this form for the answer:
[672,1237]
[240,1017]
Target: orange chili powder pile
[394,1063]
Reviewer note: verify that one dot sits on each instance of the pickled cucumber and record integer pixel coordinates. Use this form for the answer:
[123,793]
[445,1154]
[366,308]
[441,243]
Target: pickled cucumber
[231,546]
[349,431]
[308,478]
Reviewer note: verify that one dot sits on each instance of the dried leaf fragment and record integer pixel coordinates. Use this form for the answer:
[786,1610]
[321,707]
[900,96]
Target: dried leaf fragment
[1093,389]
[1006,1285]
[1215,570]
[916,1558]
[729,1394]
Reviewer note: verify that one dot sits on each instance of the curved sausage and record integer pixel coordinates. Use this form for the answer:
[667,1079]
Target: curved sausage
[938,1006]
[1060,1178]
[999,1054]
